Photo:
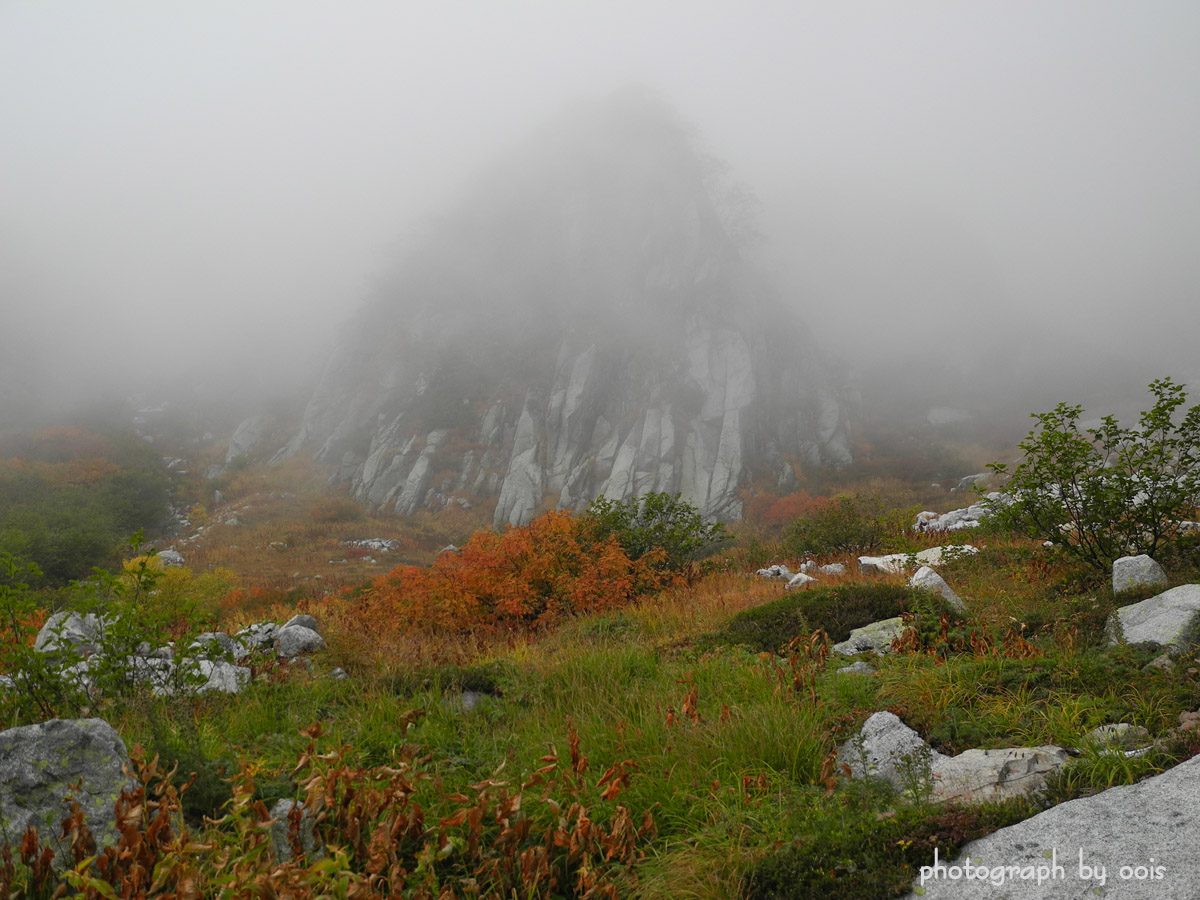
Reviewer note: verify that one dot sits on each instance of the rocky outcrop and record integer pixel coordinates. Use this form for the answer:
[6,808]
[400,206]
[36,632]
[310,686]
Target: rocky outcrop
[897,563]
[41,765]
[960,519]
[583,325]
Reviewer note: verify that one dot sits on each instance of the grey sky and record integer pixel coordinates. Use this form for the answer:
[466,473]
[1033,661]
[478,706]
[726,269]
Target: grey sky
[212,180]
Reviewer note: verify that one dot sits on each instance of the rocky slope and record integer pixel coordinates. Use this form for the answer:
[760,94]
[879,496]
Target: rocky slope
[583,324]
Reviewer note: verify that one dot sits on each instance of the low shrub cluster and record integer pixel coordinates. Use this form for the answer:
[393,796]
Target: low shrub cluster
[836,610]
[849,523]
[557,565]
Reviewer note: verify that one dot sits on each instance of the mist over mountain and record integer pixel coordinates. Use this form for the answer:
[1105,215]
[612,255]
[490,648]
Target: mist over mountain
[583,323]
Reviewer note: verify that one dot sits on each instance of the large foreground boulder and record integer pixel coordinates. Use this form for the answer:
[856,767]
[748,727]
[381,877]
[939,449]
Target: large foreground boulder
[1130,842]
[40,765]
[1171,619]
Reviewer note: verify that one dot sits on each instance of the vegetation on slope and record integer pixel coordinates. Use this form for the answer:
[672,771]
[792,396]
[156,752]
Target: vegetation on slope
[510,724]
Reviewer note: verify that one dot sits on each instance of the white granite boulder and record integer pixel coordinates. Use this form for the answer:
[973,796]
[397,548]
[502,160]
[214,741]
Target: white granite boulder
[1170,619]
[929,580]
[887,748]
[883,748]
[1137,573]
[296,640]
[800,581]
[70,630]
[777,573]
[898,563]
[875,638]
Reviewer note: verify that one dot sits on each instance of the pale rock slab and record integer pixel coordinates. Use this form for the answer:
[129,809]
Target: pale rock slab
[1170,619]
[876,638]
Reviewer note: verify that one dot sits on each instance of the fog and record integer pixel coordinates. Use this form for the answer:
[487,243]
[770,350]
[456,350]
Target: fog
[203,194]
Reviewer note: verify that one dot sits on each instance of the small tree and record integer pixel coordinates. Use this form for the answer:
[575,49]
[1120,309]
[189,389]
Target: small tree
[1109,491]
[658,521]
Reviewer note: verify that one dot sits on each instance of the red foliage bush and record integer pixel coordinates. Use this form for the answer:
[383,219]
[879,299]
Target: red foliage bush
[528,575]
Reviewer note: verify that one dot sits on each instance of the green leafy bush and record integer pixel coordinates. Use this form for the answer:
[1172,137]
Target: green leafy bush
[837,610]
[75,679]
[847,524]
[1110,491]
[658,521]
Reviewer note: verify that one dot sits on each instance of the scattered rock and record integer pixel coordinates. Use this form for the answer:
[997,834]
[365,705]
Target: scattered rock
[228,648]
[303,620]
[222,676]
[1170,619]
[70,630]
[960,519]
[883,748]
[832,569]
[1137,573]
[777,572]
[929,580]
[898,563]
[876,638]
[1121,736]
[948,553]
[979,775]
[282,833]
[887,748]
[297,640]
[800,581]
[857,668]
[259,636]
[42,764]
[1162,662]
[171,557]
[375,545]
[892,564]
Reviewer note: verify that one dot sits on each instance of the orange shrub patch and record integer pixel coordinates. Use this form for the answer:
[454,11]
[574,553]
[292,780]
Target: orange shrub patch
[525,576]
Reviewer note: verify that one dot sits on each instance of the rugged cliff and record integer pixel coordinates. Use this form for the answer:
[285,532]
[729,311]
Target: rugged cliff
[583,324]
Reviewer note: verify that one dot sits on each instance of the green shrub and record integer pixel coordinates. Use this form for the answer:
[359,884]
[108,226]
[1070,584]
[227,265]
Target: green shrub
[848,524]
[658,521]
[1110,491]
[837,610]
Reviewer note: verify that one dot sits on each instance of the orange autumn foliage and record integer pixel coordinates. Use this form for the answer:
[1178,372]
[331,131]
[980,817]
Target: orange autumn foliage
[530,575]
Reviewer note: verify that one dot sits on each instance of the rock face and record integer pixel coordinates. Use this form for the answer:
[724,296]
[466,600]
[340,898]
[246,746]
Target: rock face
[1171,619]
[1145,837]
[1136,573]
[41,764]
[583,325]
